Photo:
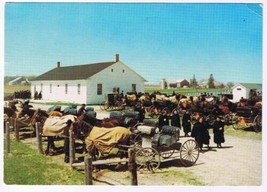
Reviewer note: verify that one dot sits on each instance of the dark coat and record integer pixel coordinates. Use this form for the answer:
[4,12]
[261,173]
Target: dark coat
[186,122]
[218,134]
[201,134]
[163,120]
[175,120]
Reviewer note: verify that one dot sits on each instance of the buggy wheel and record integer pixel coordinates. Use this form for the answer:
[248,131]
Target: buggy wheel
[238,122]
[167,154]
[147,159]
[153,112]
[257,123]
[189,153]
[119,105]
[211,119]
[103,106]
[137,140]
[165,109]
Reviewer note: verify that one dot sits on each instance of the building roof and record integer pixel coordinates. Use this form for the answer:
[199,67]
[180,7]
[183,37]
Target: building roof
[249,85]
[73,72]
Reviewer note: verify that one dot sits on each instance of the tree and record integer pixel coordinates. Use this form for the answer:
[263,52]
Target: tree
[211,82]
[193,82]
[230,85]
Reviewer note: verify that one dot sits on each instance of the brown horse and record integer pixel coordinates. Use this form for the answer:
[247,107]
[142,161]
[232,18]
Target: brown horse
[103,140]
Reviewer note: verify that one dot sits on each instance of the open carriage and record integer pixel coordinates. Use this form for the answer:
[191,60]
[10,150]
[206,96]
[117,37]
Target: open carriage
[154,146]
[247,117]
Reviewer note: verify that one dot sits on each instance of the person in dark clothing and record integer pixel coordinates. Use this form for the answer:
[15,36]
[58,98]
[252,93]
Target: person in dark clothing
[186,123]
[175,119]
[163,119]
[67,142]
[200,133]
[218,130]
[141,111]
[81,110]
[40,96]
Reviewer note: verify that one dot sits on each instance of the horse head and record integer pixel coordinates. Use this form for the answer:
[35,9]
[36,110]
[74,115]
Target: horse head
[39,116]
[81,128]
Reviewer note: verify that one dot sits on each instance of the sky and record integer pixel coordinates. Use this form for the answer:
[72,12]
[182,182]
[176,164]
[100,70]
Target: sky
[158,40]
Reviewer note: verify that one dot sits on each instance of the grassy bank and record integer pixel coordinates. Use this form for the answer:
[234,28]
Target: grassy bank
[10,89]
[24,166]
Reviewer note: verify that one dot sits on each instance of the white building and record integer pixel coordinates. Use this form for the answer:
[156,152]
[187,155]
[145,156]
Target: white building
[168,84]
[243,89]
[87,84]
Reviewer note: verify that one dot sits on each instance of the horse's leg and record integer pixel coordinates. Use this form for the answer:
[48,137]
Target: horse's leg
[66,150]
[48,146]
[53,143]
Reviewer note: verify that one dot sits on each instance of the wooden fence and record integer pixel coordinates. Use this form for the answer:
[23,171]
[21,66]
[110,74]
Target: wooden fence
[88,164]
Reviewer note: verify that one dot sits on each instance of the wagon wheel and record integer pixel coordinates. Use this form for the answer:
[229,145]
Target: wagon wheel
[147,159]
[211,119]
[167,154]
[137,140]
[104,105]
[257,123]
[228,118]
[238,122]
[119,105]
[153,112]
[165,109]
[189,153]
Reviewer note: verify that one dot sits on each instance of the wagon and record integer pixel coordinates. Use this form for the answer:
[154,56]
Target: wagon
[154,147]
[112,102]
[159,106]
[246,117]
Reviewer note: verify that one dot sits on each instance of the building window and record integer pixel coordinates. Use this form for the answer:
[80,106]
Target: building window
[238,89]
[66,88]
[50,88]
[111,70]
[123,71]
[133,87]
[99,89]
[41,87]
[79,89]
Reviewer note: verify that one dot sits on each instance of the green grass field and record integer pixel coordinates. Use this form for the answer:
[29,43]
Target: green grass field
[25,166]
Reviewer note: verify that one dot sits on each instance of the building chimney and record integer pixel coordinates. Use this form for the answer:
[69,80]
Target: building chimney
[58,64]
[117,57]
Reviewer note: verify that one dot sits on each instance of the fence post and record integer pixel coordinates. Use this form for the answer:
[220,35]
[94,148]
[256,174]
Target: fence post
[88,170]
[132,167]
[71,147]
[7,136]
[39,138]
[16,130]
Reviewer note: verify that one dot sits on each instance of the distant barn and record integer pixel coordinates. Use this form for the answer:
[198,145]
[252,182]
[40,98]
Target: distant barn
[88,83]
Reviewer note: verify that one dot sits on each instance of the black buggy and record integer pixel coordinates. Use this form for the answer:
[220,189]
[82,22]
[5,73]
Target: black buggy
[113,101]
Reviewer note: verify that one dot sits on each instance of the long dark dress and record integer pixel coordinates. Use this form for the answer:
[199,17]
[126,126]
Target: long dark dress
[201,134]
[186,123]
[175,120]
[218,134]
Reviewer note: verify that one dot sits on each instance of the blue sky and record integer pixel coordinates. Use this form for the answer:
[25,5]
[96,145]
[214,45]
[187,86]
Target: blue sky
[172,41]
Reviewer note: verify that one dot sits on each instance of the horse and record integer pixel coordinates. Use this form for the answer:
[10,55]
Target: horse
[103,140]
[54,127]
[10,112]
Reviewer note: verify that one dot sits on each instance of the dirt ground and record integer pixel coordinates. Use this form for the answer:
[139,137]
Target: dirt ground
[238,163]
